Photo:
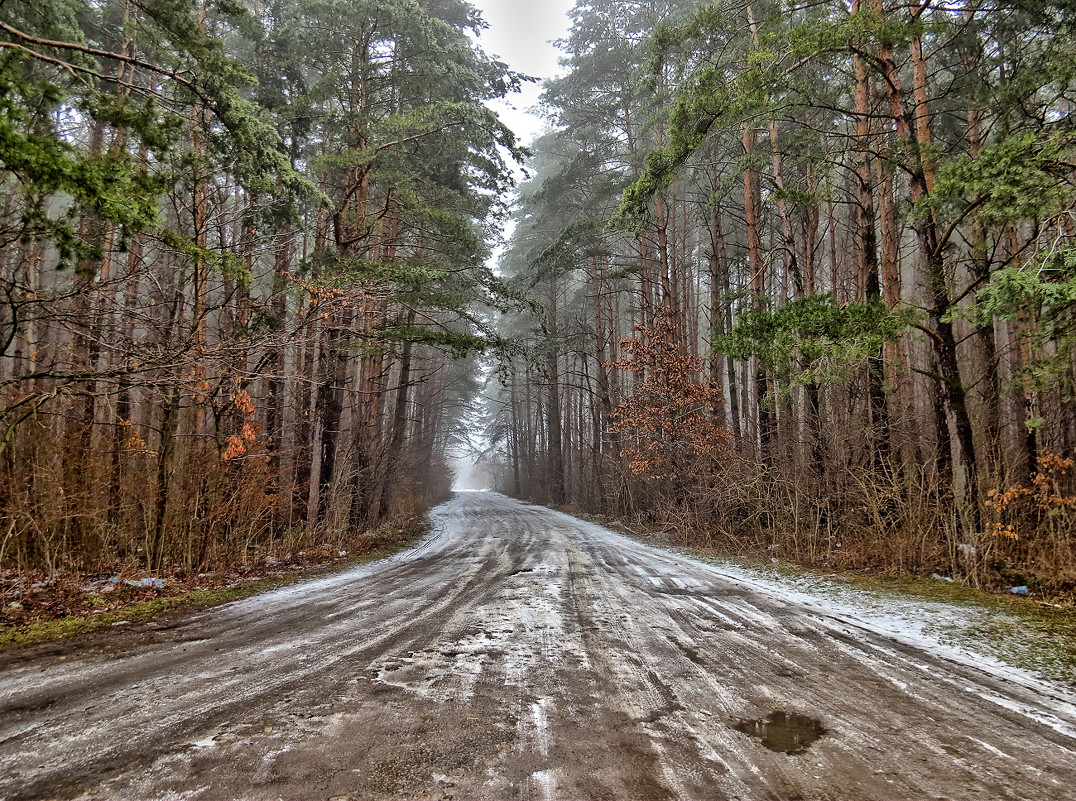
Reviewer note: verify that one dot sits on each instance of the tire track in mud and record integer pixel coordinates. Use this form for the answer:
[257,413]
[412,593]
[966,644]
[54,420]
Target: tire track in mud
[521,653]
[767,652]
[68,739]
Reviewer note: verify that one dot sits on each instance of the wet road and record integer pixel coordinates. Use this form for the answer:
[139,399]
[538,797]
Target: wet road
[521,653]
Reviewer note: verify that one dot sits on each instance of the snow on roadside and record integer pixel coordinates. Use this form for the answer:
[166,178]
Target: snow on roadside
[942,628]
[951,631]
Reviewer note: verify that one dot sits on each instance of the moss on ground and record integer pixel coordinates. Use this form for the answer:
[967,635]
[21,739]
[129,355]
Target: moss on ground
[389,540]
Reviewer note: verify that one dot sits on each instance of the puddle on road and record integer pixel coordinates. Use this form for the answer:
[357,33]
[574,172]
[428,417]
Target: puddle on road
[784,732]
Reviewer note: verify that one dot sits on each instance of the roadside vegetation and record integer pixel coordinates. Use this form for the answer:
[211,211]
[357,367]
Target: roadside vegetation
[62,609]
[242,265]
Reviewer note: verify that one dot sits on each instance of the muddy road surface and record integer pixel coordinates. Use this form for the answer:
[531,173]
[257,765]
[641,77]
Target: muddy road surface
[521,653]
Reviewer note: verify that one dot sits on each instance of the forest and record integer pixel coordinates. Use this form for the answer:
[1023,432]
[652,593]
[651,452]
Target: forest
[788,280]
[807,276]
[244,255]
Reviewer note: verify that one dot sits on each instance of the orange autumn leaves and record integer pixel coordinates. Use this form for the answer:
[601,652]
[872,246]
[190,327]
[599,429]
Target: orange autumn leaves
[1044,497]
[238,444]
[667,423]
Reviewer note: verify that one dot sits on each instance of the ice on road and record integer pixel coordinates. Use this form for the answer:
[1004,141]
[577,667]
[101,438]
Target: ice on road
[522,653]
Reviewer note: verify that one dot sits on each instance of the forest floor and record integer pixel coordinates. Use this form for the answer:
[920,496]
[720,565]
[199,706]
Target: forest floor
[39,609]
[518,652]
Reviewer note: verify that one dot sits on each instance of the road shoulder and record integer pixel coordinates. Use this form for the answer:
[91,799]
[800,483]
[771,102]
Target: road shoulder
[132,622]
[999,631]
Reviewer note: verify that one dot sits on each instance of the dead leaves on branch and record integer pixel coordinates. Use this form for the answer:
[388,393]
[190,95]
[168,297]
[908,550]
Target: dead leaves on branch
[1043,500]
[668,423]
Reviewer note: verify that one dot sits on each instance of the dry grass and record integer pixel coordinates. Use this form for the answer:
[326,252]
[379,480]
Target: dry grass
[80,613]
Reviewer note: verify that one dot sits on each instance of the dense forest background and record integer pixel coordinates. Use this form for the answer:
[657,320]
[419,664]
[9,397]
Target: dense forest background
[791,279]
[807,275]
[242,247]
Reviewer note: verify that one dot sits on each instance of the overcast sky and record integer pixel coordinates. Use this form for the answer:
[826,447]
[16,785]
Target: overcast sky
[520,32]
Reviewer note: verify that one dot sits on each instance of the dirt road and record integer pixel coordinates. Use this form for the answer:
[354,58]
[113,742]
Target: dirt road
[521,653]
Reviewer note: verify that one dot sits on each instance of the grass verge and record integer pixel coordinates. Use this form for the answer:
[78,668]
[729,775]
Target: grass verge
[1029,633]
[386,544]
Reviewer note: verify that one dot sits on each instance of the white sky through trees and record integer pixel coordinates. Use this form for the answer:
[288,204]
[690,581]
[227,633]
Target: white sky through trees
[521,33]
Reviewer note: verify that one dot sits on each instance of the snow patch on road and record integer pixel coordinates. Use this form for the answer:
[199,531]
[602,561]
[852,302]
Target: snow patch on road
[545,783]
[932,626]
[448,672]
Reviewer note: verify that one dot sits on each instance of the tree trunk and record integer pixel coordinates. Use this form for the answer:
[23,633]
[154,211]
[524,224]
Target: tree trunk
[757,269]
[912,123]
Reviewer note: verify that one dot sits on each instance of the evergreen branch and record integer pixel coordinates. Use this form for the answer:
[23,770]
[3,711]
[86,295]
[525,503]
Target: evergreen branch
[93,51]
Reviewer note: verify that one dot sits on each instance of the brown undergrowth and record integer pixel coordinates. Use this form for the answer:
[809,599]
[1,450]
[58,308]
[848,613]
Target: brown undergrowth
[37,608]
[887,523]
